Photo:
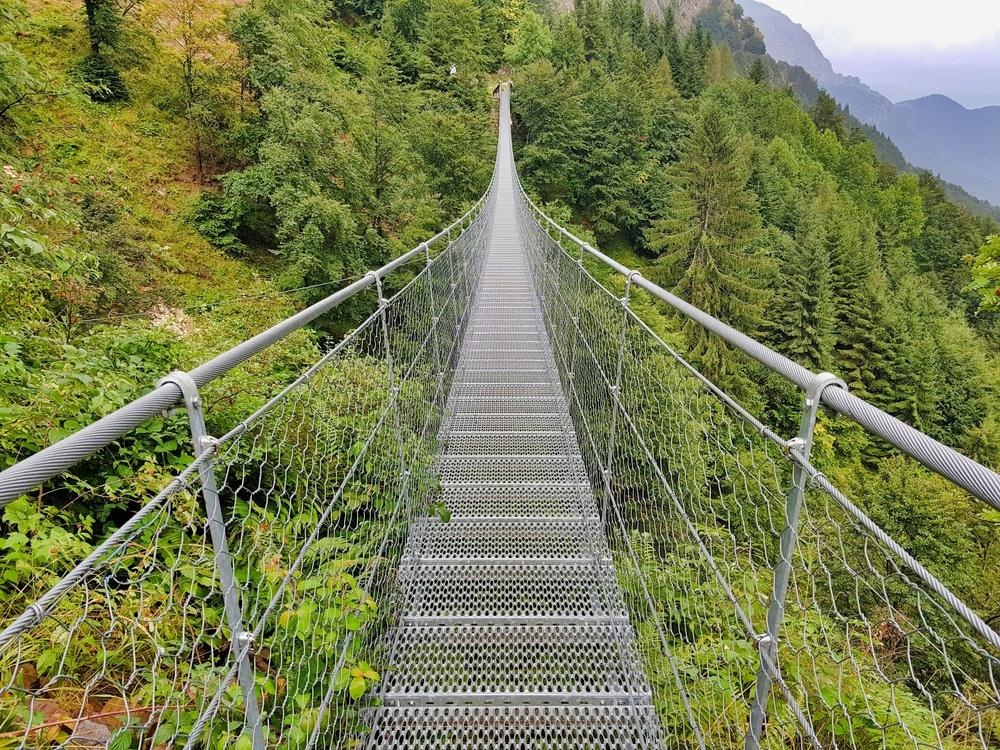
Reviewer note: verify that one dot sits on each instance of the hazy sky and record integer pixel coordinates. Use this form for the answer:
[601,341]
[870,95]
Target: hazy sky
[909,48]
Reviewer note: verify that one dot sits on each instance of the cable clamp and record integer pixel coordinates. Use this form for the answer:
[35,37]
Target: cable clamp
[36,612]
[187,386]
[795,444]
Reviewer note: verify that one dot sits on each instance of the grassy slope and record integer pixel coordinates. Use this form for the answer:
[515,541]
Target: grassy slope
[108,186]
[137,158]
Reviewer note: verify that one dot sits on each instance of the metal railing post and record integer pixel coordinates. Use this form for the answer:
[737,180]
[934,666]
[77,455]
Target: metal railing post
[231,595]
[616,399]
[575,318]
[767,643]
[394,394]
[435,317]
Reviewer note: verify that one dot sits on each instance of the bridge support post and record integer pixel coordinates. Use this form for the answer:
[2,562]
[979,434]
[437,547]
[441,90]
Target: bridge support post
[435,318]
[394,392]
[767,642]
[616,399]
[231,597]
[575,320]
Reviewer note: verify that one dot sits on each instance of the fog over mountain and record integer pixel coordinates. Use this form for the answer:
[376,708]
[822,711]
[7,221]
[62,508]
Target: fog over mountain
[970,75]
[934,132]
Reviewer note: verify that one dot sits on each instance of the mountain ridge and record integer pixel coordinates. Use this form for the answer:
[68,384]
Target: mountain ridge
[934,132]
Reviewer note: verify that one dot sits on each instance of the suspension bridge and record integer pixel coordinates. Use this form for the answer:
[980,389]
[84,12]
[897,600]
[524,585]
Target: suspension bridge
[502,512]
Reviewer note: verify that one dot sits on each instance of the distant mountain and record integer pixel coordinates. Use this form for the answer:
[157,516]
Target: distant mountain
[934,133]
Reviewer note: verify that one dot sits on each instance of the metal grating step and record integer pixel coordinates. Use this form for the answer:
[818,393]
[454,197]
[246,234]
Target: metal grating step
[517,405]
[471,422]
[525,376]
[549,664]
[469,389]
[490,443]
[515,728]
[533,362]
[505,541]
[519,501]
[527,468]
[510,594]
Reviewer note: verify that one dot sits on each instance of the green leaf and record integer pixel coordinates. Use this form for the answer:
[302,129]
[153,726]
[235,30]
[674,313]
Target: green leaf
[343,678]
[245,742]
[358,687]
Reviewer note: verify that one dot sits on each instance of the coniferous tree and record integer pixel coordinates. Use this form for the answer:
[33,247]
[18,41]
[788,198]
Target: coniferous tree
[531,40]
[626,20]
[594,24]
[692,59]
[616,160]
[104,30]
[662,80]
[552,120]
[858,301]
[720,66]
[567,45]
[450,39]
[707,239]
[758,71]
[911,383]
[804,298]
[826,114]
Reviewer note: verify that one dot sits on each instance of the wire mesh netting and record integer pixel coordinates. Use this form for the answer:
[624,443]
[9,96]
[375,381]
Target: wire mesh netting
[146,643]
[874,652]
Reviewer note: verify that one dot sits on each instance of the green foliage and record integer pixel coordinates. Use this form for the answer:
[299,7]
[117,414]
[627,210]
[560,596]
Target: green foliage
[98,71]
[826,115]
[707,239]
[804,297]
[532,40]
[450,40]
[17,79]
[758,72]
[986,275]
[343,171]
[784,223]
[567,44]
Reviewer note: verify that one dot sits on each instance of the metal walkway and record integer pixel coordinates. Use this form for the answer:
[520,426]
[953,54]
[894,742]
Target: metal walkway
[513,632]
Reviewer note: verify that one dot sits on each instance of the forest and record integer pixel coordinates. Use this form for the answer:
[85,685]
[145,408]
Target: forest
[180,174]
[688,156]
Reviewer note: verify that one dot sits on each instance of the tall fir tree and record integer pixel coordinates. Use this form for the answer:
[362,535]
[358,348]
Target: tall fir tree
[105,24]
[826,114]
[593,21]
[758,71]
[858,300]
[804,311]
[707,241]
[567,45]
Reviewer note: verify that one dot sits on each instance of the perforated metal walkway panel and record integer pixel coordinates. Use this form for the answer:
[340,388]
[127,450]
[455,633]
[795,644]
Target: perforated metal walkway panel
[512,631]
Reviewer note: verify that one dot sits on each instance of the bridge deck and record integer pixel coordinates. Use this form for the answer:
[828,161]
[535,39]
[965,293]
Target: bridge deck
[512,632]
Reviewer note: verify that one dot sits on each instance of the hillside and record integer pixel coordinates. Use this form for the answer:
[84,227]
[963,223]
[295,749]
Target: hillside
[690,159]
[934,132]
[166,195]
